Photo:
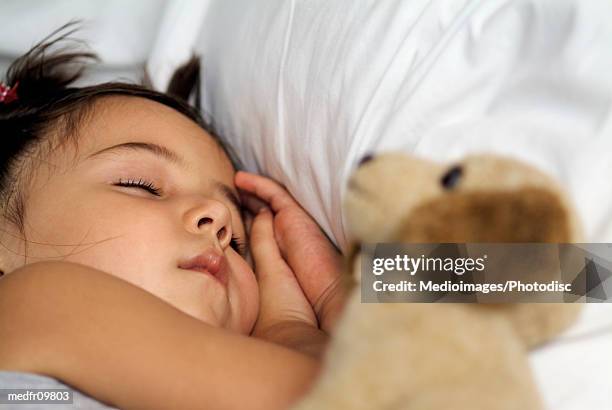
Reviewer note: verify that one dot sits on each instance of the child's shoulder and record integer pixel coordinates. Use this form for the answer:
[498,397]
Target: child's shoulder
[38,287]
[44,304]
[30,299]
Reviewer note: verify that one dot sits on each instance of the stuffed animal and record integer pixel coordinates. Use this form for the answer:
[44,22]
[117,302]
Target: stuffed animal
[426,356]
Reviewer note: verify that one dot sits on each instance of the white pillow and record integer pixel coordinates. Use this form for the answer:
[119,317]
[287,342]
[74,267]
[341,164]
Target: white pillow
[303,89]
[109,27]
[121,34]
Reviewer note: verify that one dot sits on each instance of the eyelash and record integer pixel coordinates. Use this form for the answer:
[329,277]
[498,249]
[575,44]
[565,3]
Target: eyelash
[140,183]
[236,243]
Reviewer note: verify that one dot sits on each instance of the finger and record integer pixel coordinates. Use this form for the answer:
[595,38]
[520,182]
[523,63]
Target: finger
[263,244]
[251,202]
[280,296]
[265,189]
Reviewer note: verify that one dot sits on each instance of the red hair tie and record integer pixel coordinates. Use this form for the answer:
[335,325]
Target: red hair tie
[8,94]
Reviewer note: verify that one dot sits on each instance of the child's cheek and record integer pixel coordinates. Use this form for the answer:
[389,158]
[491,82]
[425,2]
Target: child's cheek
[248,292]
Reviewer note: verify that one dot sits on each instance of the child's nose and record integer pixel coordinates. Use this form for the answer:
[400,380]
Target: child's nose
[211,217]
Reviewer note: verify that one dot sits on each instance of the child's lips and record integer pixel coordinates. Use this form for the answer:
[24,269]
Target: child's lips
[210,263]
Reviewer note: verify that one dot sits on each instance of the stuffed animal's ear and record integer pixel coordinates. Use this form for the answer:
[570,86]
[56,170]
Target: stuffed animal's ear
[522,215]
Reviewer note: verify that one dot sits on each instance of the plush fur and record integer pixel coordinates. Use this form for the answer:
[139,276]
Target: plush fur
[443,356]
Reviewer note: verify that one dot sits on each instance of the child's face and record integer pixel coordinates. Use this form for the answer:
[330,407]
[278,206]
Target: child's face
[77,212]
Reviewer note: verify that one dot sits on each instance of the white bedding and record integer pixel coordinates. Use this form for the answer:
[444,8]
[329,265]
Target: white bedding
[575,371]
[304,89]
[122,36]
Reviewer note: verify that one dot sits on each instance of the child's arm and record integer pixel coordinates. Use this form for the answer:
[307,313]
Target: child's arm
[128,348]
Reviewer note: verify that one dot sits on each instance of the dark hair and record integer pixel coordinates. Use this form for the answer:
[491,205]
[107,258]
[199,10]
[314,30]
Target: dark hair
[49,109]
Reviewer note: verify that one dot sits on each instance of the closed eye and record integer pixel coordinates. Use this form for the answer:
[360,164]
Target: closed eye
[148,186]
[238,245]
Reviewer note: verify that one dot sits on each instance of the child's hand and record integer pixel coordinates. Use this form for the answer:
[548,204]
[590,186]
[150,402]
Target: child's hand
[281,298]
[285,315]
[312,257]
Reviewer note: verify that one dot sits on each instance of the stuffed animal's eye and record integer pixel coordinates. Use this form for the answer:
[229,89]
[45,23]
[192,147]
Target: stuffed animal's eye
[366,158]
[452,177]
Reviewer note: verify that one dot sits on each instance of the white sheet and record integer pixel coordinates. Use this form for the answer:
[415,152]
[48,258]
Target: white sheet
[575,371]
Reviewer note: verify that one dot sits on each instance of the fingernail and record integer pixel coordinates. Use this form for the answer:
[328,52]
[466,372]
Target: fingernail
[263,209]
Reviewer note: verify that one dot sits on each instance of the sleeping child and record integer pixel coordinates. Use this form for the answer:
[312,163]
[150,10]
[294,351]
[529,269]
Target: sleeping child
[126,271]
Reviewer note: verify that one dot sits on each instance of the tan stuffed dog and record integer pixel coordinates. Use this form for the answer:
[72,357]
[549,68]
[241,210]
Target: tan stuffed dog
[443,356]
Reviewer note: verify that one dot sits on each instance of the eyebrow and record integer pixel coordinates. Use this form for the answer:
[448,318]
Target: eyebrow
[174,158]
[158,150]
